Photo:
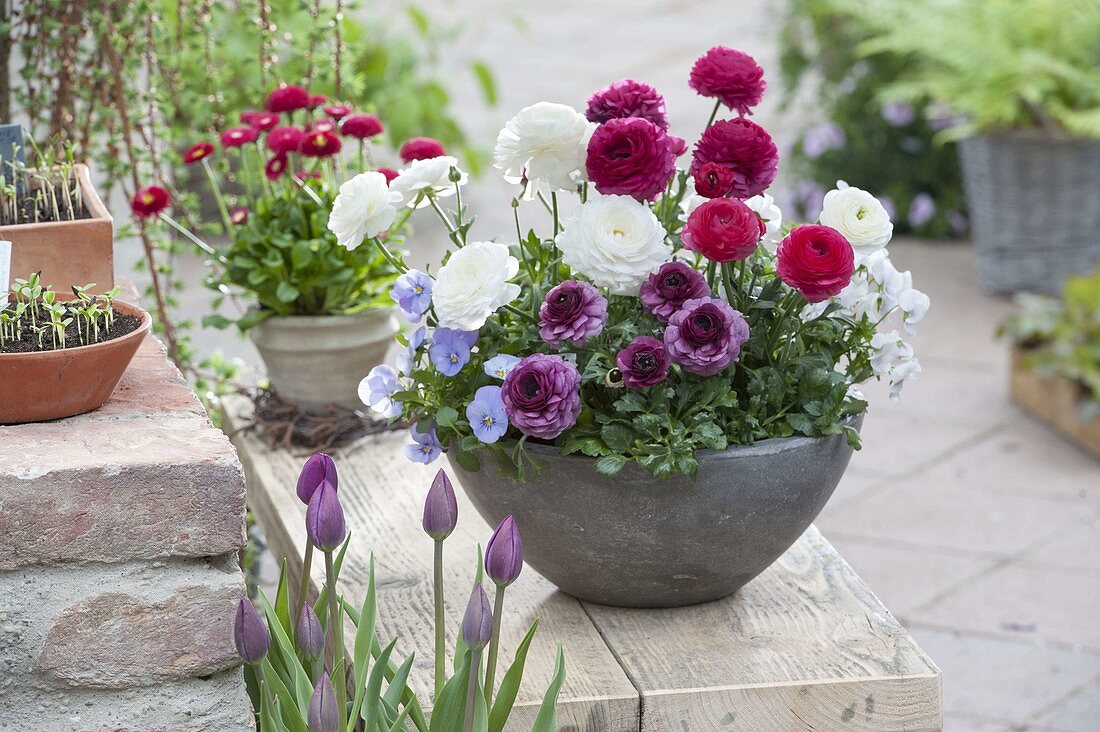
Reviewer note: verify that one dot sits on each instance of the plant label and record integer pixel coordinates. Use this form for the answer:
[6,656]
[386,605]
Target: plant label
[5,272]
[11,148]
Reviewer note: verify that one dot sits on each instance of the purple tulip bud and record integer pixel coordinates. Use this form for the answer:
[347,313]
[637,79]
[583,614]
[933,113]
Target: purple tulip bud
[504,554]
[440,508]
[325,518]
[311,639]
[477,623]
[317,469]
[323,715]
[249,632]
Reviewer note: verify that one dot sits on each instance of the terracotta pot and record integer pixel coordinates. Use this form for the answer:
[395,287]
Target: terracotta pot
[53,384]
[67,252]
[317,360]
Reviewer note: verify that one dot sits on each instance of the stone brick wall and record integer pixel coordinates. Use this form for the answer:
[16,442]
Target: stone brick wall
[119,533]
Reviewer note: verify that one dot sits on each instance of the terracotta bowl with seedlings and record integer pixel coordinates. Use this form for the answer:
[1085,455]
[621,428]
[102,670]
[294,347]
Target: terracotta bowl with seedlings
[40,385]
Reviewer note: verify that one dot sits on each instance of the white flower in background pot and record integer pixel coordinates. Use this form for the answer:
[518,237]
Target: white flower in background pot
[859,216]
[473,285]
[765,207]
[545,142]
[364,208]
[431,176]
[615,241]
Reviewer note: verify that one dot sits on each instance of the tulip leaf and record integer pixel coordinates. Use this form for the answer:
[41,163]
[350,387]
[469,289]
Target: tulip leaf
[374,690]
[322,596]
[282,602]
[397,684]
[290,708]
[479,577]
[399,723]
[288,658]
[547,718]
[449,712]
[268,718]
[509,685]
[364,641]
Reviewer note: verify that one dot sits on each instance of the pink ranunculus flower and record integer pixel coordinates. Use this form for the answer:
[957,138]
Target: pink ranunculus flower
[421,148]
[723,230]
[627,98]
[631,156]
[743,147]
[287,98]
[729,75]
[815,260]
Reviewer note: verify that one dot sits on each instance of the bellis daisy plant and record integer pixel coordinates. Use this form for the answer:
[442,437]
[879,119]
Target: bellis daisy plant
[666,308]
[298,192]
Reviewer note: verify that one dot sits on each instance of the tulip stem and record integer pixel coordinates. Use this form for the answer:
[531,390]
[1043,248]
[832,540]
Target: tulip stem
[303,587]
[337,629]
[440,623]
[494,645]
[471,689]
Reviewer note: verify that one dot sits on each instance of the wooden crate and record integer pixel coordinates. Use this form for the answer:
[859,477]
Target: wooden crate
[1055,401]
[804,646]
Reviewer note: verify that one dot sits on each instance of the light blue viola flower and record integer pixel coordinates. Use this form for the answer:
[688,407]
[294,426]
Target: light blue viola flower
[450,349]
[425,447]
[406,360]
[499,366]
[412,291]
[378,388]
[486,414]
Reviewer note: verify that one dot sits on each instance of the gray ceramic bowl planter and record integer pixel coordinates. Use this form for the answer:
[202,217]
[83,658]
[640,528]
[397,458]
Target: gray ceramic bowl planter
[638,541]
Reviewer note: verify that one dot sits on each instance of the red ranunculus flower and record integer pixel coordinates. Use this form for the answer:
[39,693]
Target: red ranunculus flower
[238,216]
[723,230]
[713,180]
[283,140]
[275,166]
[197,152]
[815,260]
[149,201]
[262,120]
[422,148]
[317,100]
[361,126]
[729,75]
[390,174]
[319,144]
[745,148]
[631,156]
[337,111]
[237,136]
[287,98]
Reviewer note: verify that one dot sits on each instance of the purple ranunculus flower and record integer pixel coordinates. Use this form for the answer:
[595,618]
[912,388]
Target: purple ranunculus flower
[378,388]
[498,366]
[898,114]
[921,210]
[412,291]
[572,313]
[631,156]
[450,349]
[425,448]
[822,138]
[486,414]
[669,287]
[627,98]
[644,362]
[705,335]
[542,396]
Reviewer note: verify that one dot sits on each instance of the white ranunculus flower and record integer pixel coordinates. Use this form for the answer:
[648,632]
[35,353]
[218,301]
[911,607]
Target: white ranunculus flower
[545,142]
[859,216]
[765,207]
[363,208]
[429,176]
[615,241]
[473,285]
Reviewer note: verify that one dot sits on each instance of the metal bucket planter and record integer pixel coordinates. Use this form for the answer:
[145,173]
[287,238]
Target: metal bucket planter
[315,361]
[1034,205]
[638,541]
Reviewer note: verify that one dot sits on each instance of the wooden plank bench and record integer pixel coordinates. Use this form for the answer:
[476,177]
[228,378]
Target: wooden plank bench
[805,646]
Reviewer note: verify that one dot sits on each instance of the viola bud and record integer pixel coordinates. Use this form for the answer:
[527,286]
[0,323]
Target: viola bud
[318,468]
[504,553]
[325,525]
[323,713]
[311,639]
[249,632]
[440,508]
[477,623]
